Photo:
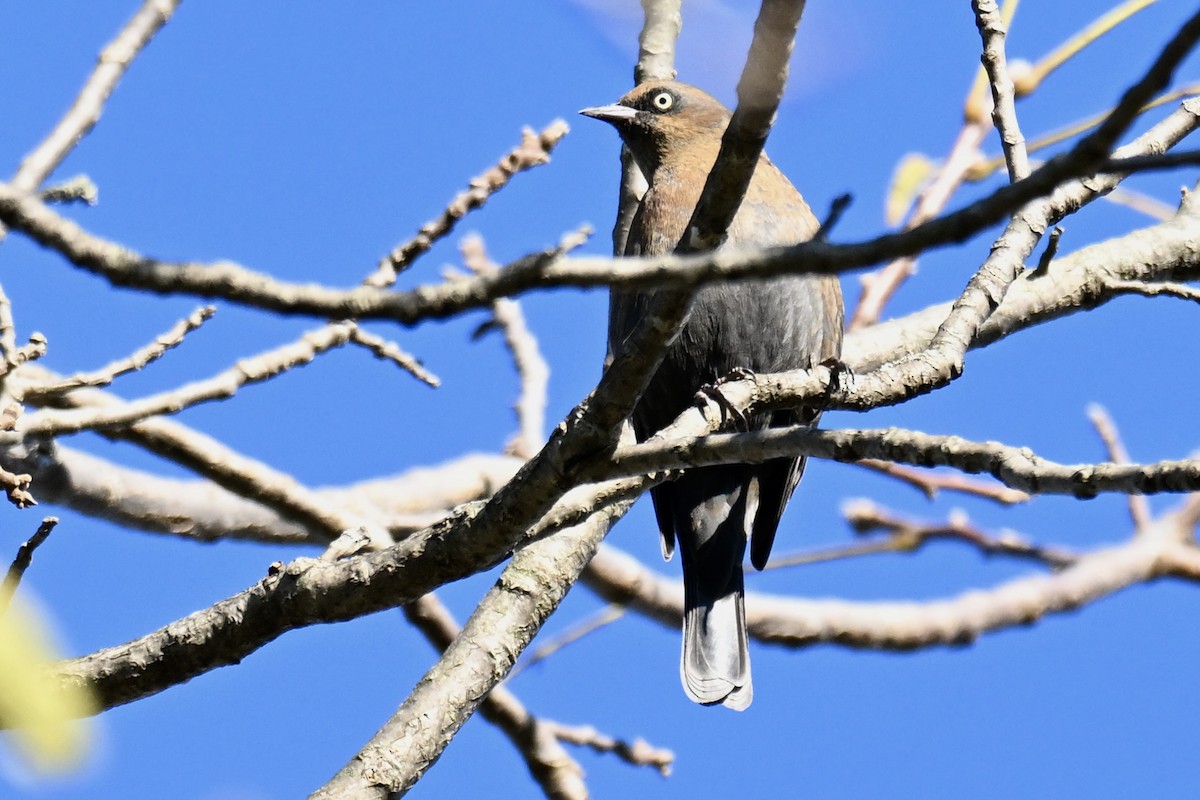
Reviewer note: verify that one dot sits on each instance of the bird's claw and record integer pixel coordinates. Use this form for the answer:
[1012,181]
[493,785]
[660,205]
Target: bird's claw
[839,374]
[712,391]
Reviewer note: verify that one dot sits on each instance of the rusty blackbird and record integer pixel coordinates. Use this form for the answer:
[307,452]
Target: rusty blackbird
[673,131]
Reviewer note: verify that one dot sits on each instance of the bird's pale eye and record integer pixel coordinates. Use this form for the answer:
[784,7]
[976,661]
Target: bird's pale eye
[663,101]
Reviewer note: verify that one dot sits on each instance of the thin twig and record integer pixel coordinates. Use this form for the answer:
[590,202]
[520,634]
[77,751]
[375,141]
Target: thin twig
[605,616]
[1157,289]
[390,351]
[1050,251]
[24,558]
[638,753]
[993,29]
[1141,202]
[79,189]
[532,369]
[136,361]
[255,369]
[866,517]
[83,114]
[534,150]
[836,209]
[1106,429]
[930,483]
[907,535]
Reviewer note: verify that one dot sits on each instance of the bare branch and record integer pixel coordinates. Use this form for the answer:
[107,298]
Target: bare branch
[993,29]
[760,91]
[906,625]
[203,511]
[605,616]
[83,114]
[533,151]
[1017,467]
[1080,281]
[656,42]
[529,589]
[254,369]
[930,483]
[1139,509]
[24,558]
[136,361]
[1164,289]
[532,369]
[558,775]
[79,189]
[637,753]
[910,534]
[224,279]
[390,351]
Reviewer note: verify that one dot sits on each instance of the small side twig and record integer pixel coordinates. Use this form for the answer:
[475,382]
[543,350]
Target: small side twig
[1050,251]
[836,209]
[16,486]
[255,369]
[131,363]
[534,150]
[390,351]
[1157,289]
[24,558]
[1106,429]
[531,366]
[930,483]
[79,189]
[638,753]
[906,535]
[605,616]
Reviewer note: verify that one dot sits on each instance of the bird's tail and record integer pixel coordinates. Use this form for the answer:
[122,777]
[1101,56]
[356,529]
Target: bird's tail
[713,508]
[715,665]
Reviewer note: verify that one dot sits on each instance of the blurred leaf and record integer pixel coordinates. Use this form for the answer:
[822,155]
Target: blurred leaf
[42,713]
[908,179]
[1030,79]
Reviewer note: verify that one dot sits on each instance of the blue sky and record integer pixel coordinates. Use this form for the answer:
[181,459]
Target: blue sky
[306,140]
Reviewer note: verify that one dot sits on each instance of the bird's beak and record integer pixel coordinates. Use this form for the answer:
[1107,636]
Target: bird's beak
[613,114]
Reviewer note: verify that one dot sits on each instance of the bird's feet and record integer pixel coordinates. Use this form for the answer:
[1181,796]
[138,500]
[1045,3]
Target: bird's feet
[712,391]
[840,375]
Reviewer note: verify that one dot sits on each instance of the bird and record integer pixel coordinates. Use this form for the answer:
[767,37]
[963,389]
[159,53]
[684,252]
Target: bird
[673,131]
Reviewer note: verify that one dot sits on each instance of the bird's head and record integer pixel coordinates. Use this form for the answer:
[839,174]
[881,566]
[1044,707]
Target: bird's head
[662,118]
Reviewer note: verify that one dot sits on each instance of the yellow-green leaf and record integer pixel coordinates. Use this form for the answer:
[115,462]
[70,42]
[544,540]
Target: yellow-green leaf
[43,714]
[908,179]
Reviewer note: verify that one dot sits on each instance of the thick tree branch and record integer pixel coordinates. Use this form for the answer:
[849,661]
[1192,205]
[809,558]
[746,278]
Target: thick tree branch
[1015,467]
[528,591]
